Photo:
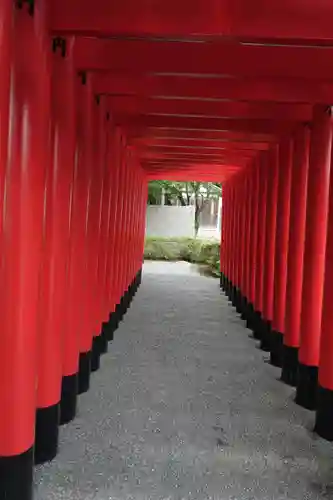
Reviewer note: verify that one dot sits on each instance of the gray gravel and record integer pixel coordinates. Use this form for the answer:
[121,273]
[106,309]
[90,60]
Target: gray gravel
[185,407]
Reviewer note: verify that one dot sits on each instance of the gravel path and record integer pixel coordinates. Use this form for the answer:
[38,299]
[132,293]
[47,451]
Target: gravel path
[185,407]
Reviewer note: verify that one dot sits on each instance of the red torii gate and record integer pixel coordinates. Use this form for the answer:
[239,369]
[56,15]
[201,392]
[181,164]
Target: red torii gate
[96,99]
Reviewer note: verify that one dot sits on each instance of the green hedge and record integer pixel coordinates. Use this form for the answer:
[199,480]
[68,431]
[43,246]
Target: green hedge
[206,253]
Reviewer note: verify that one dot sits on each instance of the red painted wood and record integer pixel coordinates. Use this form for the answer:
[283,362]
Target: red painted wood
[271,219]
[315,236]
[200,134]
[253,263]
[325,375]
[94,214]
[282,234]
[215,58]
[112,242]
[251,126]
[297,237]
[54,347]
[134,105]
[22,231]
[256,19]
[283,90]
[261,238]
[248,229]
[6,44]
[160,143]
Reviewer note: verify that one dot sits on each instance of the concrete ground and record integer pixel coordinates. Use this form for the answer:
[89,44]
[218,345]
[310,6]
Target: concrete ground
[186,406]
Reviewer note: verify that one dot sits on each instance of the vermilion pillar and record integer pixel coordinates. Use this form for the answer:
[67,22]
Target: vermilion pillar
[260,250]
[314,256]
[324,416]
[229,237]
[55,253]
[104,251]
[270,238]
[281,250]
[21,246]
[253,245]
[247,238]
[121,229]
[242,243]
[99,345]
[6,39]
[222,246]
[236,238]
[70,354]
[232,232]
[225,243]
[83,311]
[295,256]
[112,274]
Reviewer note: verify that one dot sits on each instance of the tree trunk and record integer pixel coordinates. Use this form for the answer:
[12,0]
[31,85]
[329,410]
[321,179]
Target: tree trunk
[196,216]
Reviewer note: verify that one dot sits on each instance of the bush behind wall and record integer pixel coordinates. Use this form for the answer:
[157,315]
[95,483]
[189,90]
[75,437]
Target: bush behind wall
[206,253]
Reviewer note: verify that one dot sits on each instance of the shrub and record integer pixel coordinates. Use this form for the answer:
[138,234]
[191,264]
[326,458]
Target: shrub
[193,250]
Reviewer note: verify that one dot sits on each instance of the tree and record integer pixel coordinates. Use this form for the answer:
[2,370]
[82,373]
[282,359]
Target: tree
[187,193]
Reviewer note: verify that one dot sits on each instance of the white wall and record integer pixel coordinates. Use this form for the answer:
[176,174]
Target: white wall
[170,221]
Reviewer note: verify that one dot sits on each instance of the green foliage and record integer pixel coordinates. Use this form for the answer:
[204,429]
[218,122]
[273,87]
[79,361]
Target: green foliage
[183,191]
[193,250]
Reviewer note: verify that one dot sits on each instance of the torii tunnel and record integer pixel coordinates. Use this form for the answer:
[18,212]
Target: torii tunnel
[96,99]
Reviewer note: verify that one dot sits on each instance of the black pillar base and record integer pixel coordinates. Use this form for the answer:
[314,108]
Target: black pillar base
[324,415]
[235,296]
[245,309]
[16,476]
[68,403]
[289,374]
[231,291]
[84,372]
[225,284]
[47,433]
[221,280]
[120,310]
[257,326]
[266,335]
[112,326]
[103,339]
[249,316]
[228,288]
[276,357]
[240,302]
[95,355]
[307,386]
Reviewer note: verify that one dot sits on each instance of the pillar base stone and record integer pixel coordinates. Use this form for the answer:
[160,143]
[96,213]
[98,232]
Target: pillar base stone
[266,333]
[68,402]
[289,374]
[230,291]
[95,355]
[276,357]
[112,326]
[257,325]
[103,339]
[239,302]
[307,387]
[84,372]
[245,309]
[16,476]
[250,316]
[47,433]
[226,285]
[235,296]
[324,416]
